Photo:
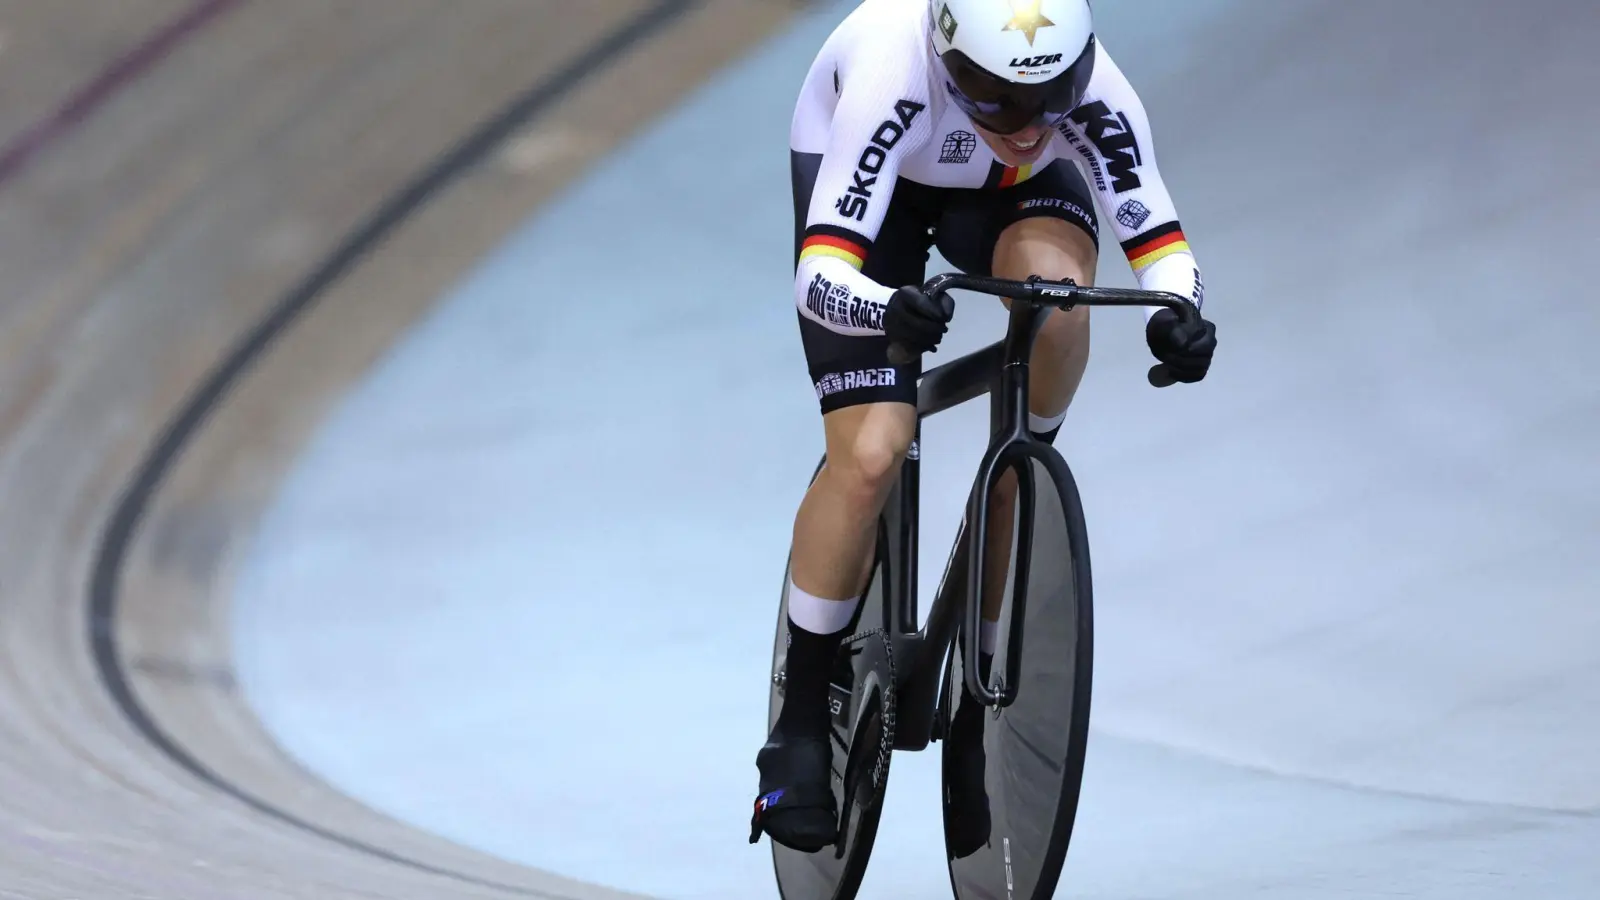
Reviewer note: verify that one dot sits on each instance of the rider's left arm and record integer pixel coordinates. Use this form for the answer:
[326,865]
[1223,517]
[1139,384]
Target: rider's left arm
[1111,133]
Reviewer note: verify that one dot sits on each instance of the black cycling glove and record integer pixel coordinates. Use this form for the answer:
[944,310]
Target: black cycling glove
[915,321]
[1184,349]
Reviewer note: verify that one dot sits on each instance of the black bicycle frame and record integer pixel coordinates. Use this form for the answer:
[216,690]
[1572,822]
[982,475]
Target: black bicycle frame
[1000,370]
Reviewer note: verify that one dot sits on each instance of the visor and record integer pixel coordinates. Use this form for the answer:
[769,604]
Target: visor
[1006,107]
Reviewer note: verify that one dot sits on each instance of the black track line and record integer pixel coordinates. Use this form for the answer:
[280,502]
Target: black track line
[134,502]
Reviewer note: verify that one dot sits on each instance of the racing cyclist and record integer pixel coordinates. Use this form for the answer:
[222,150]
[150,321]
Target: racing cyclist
[960,124]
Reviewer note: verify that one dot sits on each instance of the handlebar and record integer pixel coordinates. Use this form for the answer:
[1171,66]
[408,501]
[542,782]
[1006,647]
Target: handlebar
[1061,295]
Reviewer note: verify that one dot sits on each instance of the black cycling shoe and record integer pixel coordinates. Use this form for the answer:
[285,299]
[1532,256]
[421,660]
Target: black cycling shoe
[796,807]
[965,793]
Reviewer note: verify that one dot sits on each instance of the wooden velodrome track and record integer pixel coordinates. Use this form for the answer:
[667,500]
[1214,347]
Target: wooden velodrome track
[214,214]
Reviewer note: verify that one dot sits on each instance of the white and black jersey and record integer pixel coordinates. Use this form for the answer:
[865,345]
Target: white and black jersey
[872,121]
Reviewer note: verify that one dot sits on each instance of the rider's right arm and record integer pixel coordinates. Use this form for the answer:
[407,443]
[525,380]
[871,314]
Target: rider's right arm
[882,116]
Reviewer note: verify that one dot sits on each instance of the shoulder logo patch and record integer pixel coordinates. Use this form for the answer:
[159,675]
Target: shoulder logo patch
[1133,214]
[958,147]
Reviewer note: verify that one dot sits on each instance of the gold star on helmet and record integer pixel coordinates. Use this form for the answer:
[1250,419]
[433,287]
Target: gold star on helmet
[1027,18]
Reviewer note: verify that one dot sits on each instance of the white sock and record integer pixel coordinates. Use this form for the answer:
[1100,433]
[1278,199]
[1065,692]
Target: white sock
[1042,425]
[987,632]
[817,615]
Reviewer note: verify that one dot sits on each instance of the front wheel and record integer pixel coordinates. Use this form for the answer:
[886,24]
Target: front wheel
[1012,777]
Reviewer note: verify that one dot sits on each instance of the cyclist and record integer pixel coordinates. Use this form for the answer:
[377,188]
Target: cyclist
[959,124]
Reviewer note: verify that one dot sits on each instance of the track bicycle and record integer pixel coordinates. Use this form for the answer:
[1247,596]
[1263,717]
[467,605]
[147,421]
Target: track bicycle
[1011,783]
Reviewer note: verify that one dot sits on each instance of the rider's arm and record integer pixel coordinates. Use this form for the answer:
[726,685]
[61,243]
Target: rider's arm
[882,116]
[1111,133]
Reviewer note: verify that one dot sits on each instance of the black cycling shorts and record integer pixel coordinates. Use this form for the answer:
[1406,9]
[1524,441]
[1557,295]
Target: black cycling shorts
[965,224]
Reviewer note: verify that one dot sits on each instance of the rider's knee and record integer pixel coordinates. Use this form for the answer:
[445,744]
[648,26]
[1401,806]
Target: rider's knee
[869,460]
[1064,333]
[1051,248]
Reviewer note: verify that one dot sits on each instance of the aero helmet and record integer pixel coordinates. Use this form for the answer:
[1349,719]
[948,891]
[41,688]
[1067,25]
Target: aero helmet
[1013,63]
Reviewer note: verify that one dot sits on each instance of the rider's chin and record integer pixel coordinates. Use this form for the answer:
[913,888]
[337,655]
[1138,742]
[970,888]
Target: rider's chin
[1019,149]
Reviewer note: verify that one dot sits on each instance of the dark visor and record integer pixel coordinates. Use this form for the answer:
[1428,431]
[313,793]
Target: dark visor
[1006,107]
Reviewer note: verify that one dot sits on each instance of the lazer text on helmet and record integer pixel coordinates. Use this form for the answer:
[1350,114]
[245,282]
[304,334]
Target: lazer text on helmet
[1034,62]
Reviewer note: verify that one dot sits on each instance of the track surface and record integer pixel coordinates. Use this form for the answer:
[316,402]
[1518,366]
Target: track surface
[1313,678]
[171,187]
[1387,599]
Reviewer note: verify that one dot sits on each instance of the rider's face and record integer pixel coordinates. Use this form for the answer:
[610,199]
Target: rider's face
[1021,148]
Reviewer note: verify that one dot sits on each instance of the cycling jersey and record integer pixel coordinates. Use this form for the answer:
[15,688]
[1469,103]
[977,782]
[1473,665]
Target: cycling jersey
[873,106]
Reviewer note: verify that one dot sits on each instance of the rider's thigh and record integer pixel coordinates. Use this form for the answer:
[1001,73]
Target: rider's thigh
[1055,250]
[868,409]
[1047,247]
[1048,221]
[1045,226]
[867,443]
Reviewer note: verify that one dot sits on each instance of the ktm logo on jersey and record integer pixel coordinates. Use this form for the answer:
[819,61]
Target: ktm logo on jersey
[853,205]
[1112,135]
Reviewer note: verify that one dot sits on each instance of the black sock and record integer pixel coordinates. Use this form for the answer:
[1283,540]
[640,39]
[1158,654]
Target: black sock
[808,670]
[985,669]
[985,657]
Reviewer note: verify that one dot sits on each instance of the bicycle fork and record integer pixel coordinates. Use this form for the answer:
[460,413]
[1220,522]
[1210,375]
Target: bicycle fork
[1012,447]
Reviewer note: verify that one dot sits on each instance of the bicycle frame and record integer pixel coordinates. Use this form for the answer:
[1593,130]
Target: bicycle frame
[1001,371]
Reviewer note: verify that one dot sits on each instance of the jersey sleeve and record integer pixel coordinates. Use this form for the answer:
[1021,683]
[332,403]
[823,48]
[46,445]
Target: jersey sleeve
[882,117]
[1111,132]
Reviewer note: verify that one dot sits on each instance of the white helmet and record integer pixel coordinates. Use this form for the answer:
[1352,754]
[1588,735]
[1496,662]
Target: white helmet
[1014,63]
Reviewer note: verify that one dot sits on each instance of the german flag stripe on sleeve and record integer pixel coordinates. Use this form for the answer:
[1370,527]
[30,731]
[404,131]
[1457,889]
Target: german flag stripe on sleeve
[1155,244]
[839,243]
